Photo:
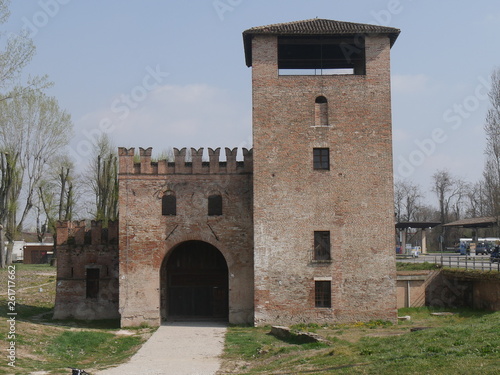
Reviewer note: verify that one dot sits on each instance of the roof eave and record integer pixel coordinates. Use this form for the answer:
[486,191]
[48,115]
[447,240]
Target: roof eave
[250,33]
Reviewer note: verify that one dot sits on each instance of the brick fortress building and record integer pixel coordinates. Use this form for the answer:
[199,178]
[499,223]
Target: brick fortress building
[301,230]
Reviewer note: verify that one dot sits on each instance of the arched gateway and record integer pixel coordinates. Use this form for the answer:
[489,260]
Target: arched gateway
[194,280]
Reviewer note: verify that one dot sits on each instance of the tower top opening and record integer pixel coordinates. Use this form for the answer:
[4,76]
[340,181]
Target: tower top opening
[317,34]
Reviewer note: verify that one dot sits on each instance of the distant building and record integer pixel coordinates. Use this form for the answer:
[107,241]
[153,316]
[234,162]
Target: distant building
[37,252]
[301,230]
[17,251]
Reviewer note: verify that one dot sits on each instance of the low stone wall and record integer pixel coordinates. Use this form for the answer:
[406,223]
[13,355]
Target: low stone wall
[462,288]
[449,288]
[411,287]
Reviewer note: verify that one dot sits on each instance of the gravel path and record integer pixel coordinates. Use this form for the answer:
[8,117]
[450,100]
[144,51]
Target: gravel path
[179,348]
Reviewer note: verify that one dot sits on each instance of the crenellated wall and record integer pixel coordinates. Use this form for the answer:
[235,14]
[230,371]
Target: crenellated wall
[181,166]
[148,237]
[80,248]
[77,233]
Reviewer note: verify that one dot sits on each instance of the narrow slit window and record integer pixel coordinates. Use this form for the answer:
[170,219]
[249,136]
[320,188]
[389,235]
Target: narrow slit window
[323,294]
[321,111]
[321,158]
[169,205]
[322,245]
[92,281]
[214,205]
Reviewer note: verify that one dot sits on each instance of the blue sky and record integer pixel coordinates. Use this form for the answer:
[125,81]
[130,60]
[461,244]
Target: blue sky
[172,73]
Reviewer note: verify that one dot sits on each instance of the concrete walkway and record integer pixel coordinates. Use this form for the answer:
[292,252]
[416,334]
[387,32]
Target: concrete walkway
[178,348]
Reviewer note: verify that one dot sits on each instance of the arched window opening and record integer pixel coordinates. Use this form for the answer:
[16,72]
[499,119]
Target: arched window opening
[169,205]
[214,205]
[321,111]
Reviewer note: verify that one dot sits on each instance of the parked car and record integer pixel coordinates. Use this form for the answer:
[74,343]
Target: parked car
[481,248]
[495,255]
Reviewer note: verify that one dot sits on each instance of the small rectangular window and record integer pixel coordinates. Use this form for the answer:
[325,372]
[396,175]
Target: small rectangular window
[321,158]
[322,245]
[169,205]
[214,205]
[92,282]
[323,294]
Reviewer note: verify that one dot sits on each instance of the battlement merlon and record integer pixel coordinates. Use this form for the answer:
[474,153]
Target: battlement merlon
[179,165]
[77,233]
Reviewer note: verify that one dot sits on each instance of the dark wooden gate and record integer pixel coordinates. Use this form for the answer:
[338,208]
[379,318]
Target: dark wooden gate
[197,282]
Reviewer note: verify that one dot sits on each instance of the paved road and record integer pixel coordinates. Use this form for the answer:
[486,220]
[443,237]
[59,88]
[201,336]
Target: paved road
[183,348]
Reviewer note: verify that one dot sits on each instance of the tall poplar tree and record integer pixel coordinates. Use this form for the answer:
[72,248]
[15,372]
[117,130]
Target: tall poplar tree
[492,129]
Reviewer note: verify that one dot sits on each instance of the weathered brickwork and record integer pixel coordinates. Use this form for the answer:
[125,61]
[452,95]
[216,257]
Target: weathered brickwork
[353,200]
[147,237]
[79,249]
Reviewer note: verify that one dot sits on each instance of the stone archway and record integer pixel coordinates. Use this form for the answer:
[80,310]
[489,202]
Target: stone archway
[194,281]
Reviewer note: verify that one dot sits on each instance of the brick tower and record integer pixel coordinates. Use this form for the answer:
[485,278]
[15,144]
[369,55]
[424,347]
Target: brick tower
[322,175]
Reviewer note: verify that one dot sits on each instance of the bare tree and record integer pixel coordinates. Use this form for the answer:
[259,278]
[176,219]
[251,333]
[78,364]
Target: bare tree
[56,196]
[15,143]
[475,200]
[426,213]
[492,129]
[449,192]
[9,174]
[17,53]
[37,130]
[102,178]
[407,200]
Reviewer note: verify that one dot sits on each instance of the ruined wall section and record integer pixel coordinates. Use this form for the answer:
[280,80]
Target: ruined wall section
[147,237]
[80,249]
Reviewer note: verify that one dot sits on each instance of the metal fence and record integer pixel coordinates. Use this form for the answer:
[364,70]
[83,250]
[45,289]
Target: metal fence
[467,262]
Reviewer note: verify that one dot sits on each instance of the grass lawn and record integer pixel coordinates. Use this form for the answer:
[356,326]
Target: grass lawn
[408,266]
[43,344]
[467,342]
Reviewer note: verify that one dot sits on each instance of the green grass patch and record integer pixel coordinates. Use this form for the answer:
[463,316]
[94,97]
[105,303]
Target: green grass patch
[43,344]
[32,267]
[75,346]
[468,274]
[81,347]
[410,266]
[466,342]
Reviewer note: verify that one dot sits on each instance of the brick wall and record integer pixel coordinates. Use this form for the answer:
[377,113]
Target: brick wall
[353,200]
[80,248]
[147,237]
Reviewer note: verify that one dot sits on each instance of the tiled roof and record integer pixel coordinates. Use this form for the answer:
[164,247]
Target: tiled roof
[321,26]
[316,26]
[477,222]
